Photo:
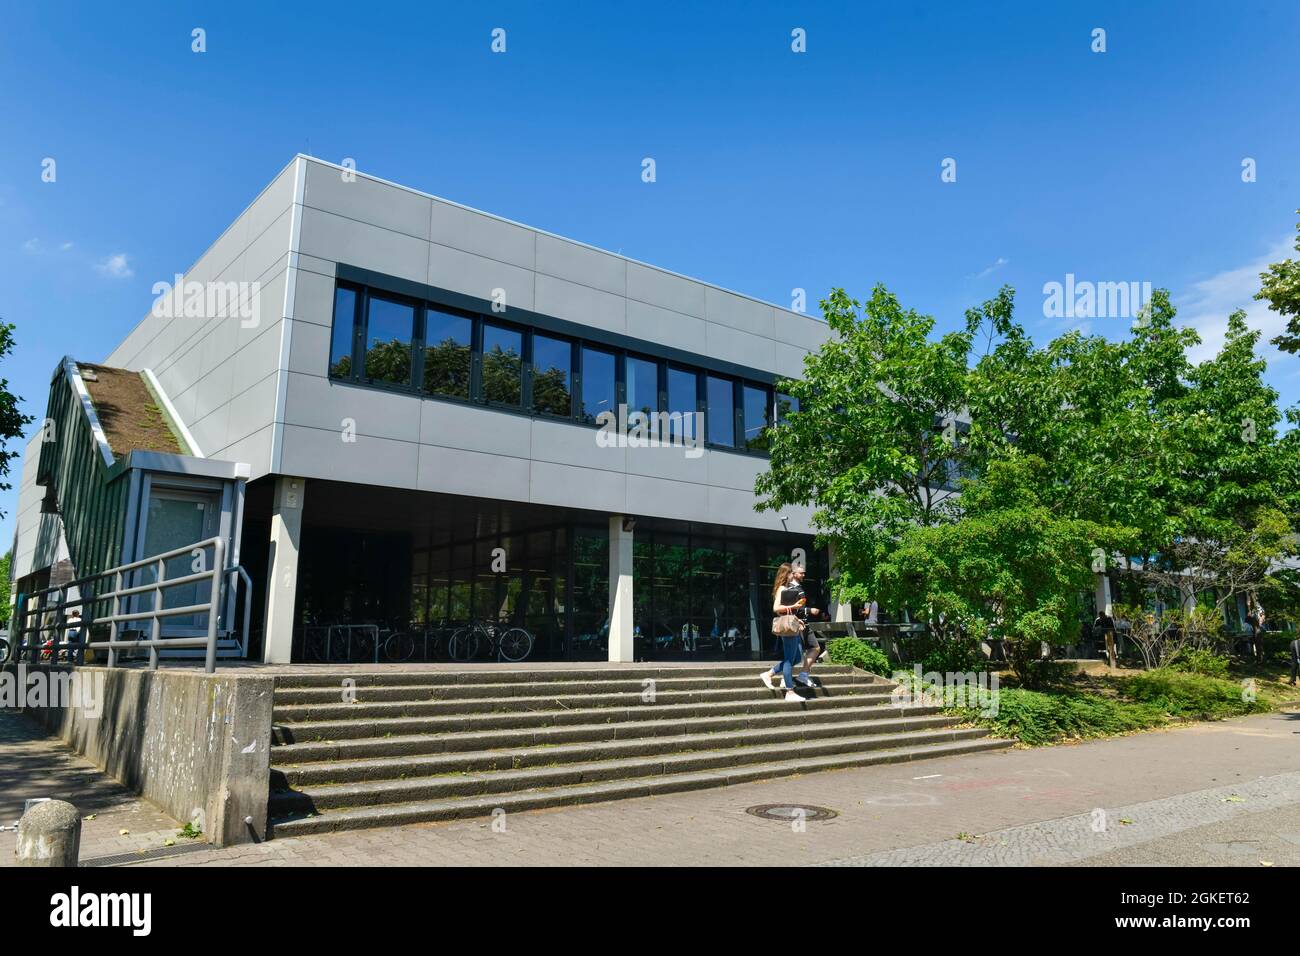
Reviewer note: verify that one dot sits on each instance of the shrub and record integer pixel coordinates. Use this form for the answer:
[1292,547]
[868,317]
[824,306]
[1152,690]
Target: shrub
[1034,717]
[1190,695]
[956,656]
[851,650]
[1200,661]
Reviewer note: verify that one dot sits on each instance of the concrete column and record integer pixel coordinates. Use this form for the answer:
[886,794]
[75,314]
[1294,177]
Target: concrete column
[282,568]
[621,645]
[839,611]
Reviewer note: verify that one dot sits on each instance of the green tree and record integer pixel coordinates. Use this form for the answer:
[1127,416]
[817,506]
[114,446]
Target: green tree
[6,582]
[867,447]
[1281,289]
[12,421]
[1010,568]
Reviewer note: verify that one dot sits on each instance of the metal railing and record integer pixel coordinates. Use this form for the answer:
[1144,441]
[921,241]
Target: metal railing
[31,636]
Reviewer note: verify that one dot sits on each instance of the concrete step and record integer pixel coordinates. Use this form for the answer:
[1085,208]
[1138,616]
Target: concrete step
[388,693]
[290,713]
[351,726]
[412,736]
[426,810]
[396,675]
[458,785]
[371,766]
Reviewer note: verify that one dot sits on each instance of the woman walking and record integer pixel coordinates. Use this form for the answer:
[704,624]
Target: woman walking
[787,601]
[812,648]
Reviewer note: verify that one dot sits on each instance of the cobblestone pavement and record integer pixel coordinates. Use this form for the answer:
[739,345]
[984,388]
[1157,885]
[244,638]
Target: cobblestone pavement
[1077,838]
[1199,791]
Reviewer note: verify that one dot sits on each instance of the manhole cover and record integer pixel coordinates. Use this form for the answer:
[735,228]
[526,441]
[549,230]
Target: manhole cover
[788,812]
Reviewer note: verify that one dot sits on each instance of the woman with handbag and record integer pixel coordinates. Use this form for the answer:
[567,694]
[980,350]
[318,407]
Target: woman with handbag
[786,602]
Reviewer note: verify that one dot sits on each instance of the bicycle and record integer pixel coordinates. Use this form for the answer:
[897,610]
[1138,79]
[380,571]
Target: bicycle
[505,644]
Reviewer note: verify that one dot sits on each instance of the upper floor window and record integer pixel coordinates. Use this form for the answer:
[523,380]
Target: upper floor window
[642,378]
[683,402]
[552,365]
[341,339]
[503,364]
[599,383]
[757,417]
[390,330]
[387,339]
[448,338]
[720,418]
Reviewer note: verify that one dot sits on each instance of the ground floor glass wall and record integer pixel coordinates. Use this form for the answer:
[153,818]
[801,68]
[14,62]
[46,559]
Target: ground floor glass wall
[393,562]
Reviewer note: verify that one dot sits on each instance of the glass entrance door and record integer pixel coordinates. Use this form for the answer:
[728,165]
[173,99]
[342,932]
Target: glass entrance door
[176,519]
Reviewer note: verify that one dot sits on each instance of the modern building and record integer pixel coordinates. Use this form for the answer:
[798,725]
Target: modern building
[394,407]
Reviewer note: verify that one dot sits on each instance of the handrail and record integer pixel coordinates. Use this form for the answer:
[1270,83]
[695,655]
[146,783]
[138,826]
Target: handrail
[154,615]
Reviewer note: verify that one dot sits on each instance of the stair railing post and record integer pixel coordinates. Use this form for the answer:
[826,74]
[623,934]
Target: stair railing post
[155,629]
[214,600]
[112,625]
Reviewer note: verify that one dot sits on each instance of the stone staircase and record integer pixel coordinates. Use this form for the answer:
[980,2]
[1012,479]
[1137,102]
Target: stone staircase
[416,745]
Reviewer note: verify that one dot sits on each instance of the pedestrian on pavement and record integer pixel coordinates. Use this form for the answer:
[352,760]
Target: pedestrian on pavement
[811,646]
[788,629]
[1295,659]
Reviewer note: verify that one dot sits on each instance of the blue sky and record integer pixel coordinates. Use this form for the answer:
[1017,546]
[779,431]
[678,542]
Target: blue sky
[775,170]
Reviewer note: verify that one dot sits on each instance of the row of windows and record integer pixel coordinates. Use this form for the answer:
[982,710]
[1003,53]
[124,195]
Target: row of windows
[391,341]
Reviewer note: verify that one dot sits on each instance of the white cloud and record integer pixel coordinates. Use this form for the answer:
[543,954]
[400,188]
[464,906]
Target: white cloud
[998,264]
[65,247]
[1208,303]
[32,245]
[115,266]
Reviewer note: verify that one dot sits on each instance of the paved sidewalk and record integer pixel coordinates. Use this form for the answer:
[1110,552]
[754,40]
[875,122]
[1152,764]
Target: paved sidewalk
[1191,787]
[34,765]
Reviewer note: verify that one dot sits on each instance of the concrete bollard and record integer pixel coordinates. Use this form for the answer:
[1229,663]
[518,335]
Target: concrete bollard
[49,834]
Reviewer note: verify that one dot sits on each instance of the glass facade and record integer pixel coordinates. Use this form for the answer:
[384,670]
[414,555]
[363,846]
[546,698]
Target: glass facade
[720,416]
[390,330]
[552,373]
[599,383]
[388,341]
[448,339]
[422,563]
[503,365]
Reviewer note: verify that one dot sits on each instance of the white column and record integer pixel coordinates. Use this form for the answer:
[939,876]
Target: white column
[282,569]
[621,646]
[1102,597]
[839,611]
[1103,593]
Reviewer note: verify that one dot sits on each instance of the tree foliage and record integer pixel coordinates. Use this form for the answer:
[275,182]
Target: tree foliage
[1281,289]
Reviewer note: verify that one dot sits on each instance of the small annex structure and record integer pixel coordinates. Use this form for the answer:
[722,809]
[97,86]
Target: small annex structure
[118,478]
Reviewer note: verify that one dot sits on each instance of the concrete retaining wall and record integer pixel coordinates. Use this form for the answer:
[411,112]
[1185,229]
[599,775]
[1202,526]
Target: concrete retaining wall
[184,740]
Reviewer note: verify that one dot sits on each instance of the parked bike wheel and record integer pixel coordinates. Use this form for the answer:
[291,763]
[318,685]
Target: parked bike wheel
[516,644]
[399,647]
[463,644]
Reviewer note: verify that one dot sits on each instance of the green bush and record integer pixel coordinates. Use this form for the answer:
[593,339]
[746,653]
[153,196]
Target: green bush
[1034,717]
[1200,661]
[851,650]
[1197,696]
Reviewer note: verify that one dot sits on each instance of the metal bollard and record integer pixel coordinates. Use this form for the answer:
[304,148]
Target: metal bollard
[49,834]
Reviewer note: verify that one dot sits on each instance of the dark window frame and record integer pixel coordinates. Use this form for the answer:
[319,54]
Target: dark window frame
[577,346]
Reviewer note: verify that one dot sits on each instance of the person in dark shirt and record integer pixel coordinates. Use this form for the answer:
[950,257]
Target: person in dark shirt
[786,603]
[1295,660]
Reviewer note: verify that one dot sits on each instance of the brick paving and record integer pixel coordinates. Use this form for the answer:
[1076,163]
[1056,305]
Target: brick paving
[1187,791]
[33,765]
